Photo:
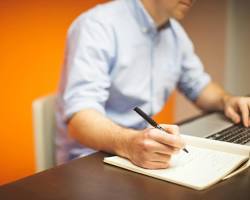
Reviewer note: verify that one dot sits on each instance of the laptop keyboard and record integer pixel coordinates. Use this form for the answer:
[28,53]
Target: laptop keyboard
[235,134]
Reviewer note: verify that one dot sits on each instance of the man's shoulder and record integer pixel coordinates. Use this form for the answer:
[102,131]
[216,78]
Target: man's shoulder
[105,13]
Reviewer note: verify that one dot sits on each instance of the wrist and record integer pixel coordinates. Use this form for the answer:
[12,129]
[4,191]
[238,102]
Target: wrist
[224,100]
[124,141]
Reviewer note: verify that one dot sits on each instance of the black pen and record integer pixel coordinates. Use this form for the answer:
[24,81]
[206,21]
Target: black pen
[152,122]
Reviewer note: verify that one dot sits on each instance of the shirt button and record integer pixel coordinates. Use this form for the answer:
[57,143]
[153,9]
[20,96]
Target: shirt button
[144,30]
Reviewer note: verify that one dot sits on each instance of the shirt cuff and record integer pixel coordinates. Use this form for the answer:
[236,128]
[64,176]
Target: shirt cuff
[69,111]
[199,87]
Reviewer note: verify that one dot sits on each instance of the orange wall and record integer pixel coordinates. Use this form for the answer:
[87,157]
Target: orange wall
[32,37]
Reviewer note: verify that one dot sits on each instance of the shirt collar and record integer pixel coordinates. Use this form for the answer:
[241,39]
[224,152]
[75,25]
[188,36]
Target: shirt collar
[146,22]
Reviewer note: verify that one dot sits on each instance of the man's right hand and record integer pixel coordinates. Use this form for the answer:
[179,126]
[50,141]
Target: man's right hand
[149,148]
[153,148]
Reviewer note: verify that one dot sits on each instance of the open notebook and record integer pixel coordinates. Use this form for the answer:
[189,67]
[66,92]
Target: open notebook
[207,162]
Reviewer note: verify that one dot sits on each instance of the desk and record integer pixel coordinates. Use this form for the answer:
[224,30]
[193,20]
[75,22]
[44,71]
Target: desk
[89,178]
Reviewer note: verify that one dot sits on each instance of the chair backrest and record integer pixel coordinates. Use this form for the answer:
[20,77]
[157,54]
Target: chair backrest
[44,131]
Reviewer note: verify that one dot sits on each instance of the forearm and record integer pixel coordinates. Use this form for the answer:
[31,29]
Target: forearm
[147,148]
[96,131]
[212,97]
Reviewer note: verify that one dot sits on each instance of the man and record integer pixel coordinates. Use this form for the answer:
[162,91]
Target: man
[129,53]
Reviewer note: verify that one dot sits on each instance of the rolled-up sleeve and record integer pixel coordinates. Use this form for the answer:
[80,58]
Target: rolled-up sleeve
[193,77]
[85,81]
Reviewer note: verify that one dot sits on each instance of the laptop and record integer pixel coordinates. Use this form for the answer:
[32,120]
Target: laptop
[217,127]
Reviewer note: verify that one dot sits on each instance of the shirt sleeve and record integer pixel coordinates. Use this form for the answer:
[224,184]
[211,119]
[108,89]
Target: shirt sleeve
[193,77]
[85,82]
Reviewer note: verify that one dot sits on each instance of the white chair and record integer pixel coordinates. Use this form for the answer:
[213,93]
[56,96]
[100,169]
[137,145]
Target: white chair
[44,131]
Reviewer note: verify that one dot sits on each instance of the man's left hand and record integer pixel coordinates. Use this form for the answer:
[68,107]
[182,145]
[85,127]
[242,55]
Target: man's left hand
[237,109]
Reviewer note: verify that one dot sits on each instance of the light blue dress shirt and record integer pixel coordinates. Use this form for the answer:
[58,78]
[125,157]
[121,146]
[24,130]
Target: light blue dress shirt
[116,59]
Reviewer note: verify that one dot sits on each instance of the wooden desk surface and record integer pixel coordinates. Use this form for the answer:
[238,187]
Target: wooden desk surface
[89,178]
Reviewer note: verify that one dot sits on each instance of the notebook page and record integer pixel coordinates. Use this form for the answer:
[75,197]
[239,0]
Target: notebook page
[198,169]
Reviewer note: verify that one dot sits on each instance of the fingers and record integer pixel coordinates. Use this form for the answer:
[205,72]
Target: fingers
[240,105]
[153,148]
[153,165]
[159,157]
[244,109]
[147,155]
[233,115]
[159,148]
[174,141]
[172,129]
[153,160]
[249,112]
[245,114]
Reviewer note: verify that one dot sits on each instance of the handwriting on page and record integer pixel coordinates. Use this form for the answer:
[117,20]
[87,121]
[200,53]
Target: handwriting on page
[198,169]
[200,165]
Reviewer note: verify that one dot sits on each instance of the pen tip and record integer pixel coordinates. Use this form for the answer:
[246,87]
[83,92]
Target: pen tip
[185,150]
